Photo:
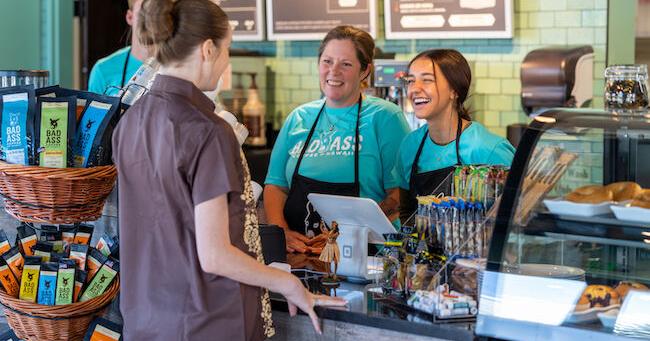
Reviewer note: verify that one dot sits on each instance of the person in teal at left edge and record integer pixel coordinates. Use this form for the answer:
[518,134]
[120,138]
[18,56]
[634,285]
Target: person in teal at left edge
[343,144]
[438,83]
[113,72]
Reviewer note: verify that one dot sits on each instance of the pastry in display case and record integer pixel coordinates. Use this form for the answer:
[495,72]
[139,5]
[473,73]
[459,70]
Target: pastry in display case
[569,257]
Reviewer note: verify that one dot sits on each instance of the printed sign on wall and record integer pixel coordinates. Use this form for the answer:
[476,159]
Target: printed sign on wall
[246,18]
[311,20]
[448,19]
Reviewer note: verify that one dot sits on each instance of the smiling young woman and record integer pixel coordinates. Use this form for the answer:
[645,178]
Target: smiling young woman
[343,144]
[438,85]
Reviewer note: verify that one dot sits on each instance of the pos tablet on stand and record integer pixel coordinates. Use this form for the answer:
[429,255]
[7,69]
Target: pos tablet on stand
[361,221]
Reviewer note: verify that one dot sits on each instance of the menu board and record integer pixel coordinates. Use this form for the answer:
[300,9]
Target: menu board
[312,19]
[448,19]
[245,18]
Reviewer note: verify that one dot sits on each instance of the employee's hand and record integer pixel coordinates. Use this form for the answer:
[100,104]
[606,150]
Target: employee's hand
[298,297]
[296,242]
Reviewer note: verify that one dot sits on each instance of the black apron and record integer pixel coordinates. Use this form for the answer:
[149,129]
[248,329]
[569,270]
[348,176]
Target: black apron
[427,182]
[126,64]
[298,212]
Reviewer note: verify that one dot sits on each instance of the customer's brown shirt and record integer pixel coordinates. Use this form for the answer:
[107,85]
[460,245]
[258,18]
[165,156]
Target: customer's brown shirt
[172,153]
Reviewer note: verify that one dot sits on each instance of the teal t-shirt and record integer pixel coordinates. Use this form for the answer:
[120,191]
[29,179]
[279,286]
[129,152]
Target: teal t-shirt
[330,155]
[477,146]
[108,72]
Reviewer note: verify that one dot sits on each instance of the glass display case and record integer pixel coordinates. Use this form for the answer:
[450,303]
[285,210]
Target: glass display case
[570,253]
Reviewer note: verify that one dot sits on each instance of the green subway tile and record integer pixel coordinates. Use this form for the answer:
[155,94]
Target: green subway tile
[488,86]
[500,131]
[476,101]
[554,36]
[600,35]
[315,94]
[283,67]
[527,5]
[553,5]
[578,173]
[528,36]
[577,36]
[597,148]
[480,70]
[521,20]
[594,18]
[290,81]
[597,175]
[511,117]
[500,102]
[600,51]
[568,19]
[580,4]
[516,103]
[599,70]
[510,86]
[491,118]
[516,69]
[308,81]
[500,70]
[541,19]
[592,159]
[300,96]
[302,66]
[477,115]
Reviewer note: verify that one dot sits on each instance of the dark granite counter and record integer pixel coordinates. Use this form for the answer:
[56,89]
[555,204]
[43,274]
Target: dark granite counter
[368,307]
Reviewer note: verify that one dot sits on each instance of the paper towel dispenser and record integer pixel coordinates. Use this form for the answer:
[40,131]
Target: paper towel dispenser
[557,77]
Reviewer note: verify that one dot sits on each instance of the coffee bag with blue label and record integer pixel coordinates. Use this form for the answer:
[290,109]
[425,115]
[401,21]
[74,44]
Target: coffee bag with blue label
[55,130]
[47,283]
[17,105]
[93,139]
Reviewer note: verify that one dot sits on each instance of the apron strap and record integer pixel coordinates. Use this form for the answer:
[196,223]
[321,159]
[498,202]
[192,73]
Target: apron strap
[414,166]
[304,148]
[126,63]
[356,142]
[458,132]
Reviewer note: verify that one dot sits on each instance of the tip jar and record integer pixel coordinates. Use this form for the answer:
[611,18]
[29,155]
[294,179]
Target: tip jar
[626,87]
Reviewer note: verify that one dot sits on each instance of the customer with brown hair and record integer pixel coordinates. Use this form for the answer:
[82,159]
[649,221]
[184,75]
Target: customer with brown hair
[344,144]
[192,267]
[438,84]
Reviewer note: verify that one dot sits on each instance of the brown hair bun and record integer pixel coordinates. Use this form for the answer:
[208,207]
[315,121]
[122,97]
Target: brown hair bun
[624,190]
[591,194]
[175,28]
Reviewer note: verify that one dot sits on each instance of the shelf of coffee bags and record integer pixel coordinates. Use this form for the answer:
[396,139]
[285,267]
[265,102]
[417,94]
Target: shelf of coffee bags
[55,195]
[58,129]
[55,284]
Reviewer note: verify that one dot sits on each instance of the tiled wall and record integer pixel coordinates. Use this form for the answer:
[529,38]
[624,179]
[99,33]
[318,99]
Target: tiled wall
[495,62]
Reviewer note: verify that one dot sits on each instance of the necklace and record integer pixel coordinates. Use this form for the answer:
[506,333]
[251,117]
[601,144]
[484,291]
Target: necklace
[330,125]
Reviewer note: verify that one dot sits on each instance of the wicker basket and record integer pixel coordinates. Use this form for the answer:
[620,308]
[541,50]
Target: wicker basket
[36,322]
[55,195]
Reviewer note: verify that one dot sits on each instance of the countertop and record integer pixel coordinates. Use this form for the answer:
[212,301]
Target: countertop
[367,306]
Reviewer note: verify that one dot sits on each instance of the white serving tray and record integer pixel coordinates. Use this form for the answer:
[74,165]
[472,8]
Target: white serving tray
[589,315]
[565,207]
[631,213]
[608,318]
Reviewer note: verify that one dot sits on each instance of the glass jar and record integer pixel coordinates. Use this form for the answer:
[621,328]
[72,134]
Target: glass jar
[626,87]
[39,78]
